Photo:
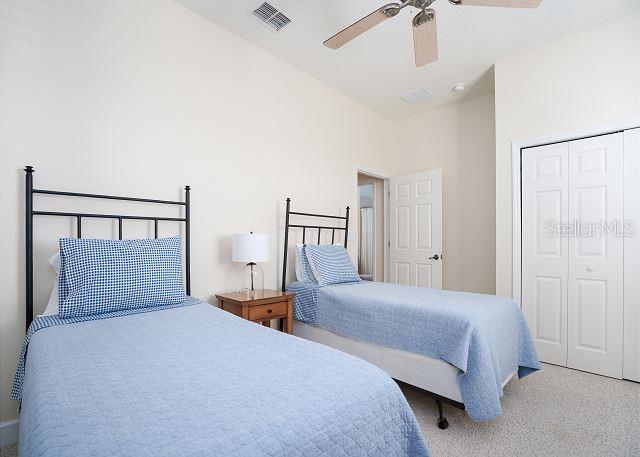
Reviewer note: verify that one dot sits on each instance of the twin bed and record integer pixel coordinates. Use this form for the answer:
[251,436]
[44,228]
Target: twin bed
[123,370]
[459,348]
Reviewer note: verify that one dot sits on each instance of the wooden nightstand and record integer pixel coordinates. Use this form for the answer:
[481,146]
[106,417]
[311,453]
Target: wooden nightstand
[260,307]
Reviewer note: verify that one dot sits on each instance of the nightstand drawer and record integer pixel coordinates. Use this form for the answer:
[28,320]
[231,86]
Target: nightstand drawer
[267,311]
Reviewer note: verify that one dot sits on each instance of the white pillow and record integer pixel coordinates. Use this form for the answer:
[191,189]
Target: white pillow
[52,305]
[300,276]
[54,261]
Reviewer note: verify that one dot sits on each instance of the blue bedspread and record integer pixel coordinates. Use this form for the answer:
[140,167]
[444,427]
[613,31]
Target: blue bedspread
[484,336]
[195,381]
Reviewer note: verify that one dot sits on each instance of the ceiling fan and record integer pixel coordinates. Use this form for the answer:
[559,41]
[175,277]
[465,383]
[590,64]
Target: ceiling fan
[425,38]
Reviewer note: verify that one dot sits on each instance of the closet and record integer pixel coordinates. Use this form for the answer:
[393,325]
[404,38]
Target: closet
[573,243]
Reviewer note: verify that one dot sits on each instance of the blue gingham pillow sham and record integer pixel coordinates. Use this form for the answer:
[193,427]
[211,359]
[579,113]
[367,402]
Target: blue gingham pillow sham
[102,276]
[331,264]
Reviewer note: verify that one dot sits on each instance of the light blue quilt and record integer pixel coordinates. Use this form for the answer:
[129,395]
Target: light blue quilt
[196,381]
[484,336]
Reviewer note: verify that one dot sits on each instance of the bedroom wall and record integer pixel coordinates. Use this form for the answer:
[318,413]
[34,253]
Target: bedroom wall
[460,140]
[587,79]
[140,97]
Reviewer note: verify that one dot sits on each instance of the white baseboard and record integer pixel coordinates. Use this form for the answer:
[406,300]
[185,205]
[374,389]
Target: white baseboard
[8,432]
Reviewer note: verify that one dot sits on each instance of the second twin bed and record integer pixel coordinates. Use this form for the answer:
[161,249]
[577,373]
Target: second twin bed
[460,348]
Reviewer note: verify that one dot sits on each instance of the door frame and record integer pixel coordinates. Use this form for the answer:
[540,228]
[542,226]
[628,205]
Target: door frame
[516,184]
[365,170]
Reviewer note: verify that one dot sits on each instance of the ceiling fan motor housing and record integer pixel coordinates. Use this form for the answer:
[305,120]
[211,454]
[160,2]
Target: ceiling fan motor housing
[422,4]
[392,9]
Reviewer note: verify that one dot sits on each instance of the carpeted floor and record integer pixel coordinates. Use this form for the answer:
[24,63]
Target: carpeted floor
[555,412]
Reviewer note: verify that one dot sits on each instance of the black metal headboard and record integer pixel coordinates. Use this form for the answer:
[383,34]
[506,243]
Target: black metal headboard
[30,212]
[304,228]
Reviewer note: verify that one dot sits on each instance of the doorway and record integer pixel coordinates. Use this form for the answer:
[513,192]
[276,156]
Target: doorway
[371,227]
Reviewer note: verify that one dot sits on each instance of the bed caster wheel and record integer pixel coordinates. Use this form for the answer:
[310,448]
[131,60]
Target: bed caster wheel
[443,423]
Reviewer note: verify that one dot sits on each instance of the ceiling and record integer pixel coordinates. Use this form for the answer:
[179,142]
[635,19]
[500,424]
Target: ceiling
[377,67]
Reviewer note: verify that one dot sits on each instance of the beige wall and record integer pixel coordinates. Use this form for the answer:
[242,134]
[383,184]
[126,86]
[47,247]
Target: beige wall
[459,139]
[141,97]
[587,79]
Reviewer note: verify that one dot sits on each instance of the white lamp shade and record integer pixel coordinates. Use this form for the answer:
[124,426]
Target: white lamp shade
[250,247]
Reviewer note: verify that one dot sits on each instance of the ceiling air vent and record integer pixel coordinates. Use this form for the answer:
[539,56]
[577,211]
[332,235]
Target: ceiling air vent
[269,15]
[416,96]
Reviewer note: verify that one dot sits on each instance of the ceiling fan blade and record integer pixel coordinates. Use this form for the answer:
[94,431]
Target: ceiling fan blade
[356,29]
[503,3]
[425,38]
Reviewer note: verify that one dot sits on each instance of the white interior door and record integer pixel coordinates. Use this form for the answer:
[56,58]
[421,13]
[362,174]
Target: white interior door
[415,229]
[595,311]
[545,256]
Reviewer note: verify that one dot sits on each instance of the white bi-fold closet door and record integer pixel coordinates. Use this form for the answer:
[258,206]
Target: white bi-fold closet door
[572,252]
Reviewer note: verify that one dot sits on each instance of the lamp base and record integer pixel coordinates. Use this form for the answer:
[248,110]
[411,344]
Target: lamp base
[252,279]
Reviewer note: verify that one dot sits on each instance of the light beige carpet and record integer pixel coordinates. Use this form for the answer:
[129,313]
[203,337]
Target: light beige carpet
[554,412]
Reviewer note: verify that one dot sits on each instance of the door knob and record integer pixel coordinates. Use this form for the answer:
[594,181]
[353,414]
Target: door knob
[435,257]
[590,268]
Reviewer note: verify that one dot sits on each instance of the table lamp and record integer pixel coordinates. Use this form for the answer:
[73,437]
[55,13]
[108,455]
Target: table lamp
[251,248]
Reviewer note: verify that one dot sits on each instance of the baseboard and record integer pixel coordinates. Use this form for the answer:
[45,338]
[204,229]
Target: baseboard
[8,432]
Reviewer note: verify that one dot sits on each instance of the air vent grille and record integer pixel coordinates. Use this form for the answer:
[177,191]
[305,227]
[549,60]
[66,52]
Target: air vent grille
[278,21]
[415,97]
[270,15]
[265,11]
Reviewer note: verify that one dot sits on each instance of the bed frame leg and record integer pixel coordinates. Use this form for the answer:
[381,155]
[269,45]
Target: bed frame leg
[442,422]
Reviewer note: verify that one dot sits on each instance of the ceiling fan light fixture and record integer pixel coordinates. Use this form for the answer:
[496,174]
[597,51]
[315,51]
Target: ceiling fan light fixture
[425,36]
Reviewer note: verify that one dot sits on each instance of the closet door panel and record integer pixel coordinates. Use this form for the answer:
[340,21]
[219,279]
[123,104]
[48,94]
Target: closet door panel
[544,253]
[595,279]
[631,363]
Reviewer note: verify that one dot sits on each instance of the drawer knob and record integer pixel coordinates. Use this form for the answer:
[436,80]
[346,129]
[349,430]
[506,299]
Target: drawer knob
[269,310]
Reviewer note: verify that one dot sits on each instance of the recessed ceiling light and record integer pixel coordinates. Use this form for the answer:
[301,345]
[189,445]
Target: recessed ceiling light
[458,87]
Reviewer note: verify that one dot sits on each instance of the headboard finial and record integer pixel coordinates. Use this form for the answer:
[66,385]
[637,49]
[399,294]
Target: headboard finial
[29,169]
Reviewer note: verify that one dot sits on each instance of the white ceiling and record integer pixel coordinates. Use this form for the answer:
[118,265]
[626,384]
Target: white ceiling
[378,66]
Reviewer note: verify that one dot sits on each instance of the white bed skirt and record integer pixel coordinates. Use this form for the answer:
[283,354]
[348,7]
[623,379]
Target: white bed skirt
[433,375]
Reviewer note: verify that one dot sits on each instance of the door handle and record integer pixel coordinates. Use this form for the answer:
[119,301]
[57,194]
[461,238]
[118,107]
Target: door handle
[436,257]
